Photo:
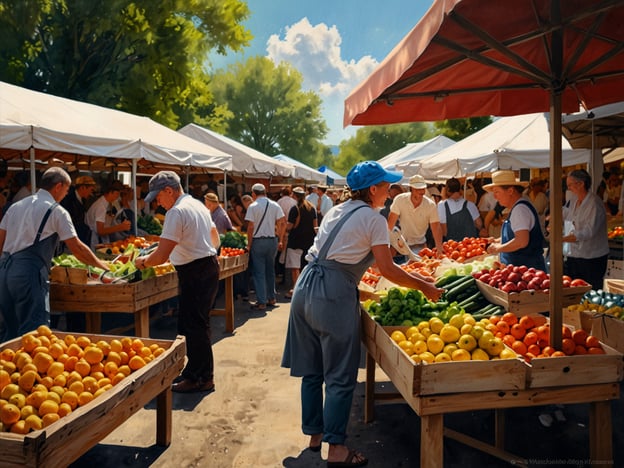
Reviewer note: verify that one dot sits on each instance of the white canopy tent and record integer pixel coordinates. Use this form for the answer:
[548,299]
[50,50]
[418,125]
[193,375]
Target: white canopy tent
[245,160]
[43,126]
[517,142]
[303,171]
[403,158]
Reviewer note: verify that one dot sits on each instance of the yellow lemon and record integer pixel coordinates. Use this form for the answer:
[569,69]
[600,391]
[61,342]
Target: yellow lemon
[435,344]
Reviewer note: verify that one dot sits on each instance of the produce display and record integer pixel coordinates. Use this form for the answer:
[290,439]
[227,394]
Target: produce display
[516,278]
[463,291]
[120,246]
[463,338]
[616,233]
[602,302]
[463,250]
[48,377]
[150,224]
[529,336]
[231,252]
[233,239]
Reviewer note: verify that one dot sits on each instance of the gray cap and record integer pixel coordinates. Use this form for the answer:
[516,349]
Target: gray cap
[160,181]
[258,188]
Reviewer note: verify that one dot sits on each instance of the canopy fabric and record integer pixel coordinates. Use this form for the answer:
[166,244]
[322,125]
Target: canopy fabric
[333,178]
[65,129]
[245,159]
[502,52]
[517,142]
[302,171]
[402,158]
[602,127]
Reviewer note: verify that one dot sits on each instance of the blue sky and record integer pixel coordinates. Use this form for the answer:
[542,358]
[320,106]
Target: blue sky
[335,44]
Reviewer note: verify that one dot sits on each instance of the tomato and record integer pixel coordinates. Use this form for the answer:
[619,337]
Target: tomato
[578,282]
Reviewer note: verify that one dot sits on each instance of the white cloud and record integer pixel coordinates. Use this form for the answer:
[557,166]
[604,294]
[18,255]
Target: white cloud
[315,51]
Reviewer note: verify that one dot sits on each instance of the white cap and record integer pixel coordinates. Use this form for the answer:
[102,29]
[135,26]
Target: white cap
[258,188]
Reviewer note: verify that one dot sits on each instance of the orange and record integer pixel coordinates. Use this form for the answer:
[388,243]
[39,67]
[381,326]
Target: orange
[110,369]
[580,336]
[125,370]
[566,332]
[137,344]
[126,343]
[510,318]
[592,342]
[27,380]
[56,369]
[83,368]
[7,354]
[69,339]
[83,341]
[534,349]
[104,382]
[530,338]
[503,327]
[5,378]
[48,406]
[56,350]
[30,342]
[509,340]
[33,422]
[93,355]
[124,357]
[118,377]
[114,356]
[136,362]
[49,419]
[568,346]
[494,319]
[527,322]
[519,347]
[104,346]
[558,354]
[548,350]
[543,332]
[44,330]
[77,387]
[99,367]
[73,376]
[539,320]
[97,375]
[19,427]
[90,384]
[45,341]
[116,346]
[71,399]
[47,381]
[64,409]
[9,414]
[36,398]
[595,350]
[158,351]
[84,398]
[144,352]
[74,350]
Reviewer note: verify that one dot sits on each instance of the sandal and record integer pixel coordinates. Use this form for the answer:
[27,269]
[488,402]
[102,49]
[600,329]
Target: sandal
[353,458]
[257,306]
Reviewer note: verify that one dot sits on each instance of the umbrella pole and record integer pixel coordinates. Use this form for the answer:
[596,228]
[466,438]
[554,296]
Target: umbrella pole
[134,193]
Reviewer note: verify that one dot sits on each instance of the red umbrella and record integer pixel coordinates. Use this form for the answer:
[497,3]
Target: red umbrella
[502,57]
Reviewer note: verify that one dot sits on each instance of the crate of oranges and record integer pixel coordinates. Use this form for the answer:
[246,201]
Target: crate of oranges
[61,393]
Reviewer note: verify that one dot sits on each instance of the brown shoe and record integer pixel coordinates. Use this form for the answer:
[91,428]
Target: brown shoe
[191,386]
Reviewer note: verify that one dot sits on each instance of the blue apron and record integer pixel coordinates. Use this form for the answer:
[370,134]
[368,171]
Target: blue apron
[533,254]
[24,285]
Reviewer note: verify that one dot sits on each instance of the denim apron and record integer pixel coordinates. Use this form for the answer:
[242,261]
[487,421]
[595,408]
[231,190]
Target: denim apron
[323,340]
[533,254]
[24,285]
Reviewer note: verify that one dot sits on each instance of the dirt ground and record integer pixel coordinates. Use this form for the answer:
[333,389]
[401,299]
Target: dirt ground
[253,417]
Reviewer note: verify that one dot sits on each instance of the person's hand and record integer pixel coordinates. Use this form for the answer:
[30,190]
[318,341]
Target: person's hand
[139,262]
[493,248]
[125,225]
[432,292]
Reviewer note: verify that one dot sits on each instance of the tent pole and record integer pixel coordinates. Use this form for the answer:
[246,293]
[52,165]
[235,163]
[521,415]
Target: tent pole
[33,176]
[134,192]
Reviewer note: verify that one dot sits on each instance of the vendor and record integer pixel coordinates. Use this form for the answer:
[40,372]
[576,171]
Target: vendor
[521,241]
[585,231]
[99,218]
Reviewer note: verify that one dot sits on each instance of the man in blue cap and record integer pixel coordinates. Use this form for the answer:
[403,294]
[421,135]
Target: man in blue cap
[190,240]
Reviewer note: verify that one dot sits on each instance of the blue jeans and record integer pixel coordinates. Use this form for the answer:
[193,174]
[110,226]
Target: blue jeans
[262,256]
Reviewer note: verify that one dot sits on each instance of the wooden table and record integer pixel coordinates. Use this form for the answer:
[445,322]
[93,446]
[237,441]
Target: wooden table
[65,441]
[431,407]
[95,298]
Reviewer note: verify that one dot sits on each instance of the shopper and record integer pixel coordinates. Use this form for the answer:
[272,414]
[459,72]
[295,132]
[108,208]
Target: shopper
[586,245]
[29,235]
[265,236]
[77,202]
[99,216]
[219,216]
[190,240]
[323,341]
[459,217]
[521,241]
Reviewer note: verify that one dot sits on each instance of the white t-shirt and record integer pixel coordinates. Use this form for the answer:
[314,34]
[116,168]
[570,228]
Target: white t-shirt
[414,221]
[521,218]
[21,222]
[365,229]
[189,223]
[487,202]
[455,206]
[255,212]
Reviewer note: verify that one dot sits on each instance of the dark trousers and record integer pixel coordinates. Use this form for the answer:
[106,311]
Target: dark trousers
[199,281]
[591,270]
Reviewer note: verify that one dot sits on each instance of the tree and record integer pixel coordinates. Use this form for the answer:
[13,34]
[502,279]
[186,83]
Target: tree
[458,129]
[143,57]
[270,112]
[375,142]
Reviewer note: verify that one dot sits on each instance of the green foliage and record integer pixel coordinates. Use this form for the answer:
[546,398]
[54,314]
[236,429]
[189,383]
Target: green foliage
[269,110]
[375,142]
[233,239]
[458,129]
[142,57]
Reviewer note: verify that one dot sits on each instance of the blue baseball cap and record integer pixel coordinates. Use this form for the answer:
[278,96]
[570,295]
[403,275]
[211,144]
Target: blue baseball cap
[368,173]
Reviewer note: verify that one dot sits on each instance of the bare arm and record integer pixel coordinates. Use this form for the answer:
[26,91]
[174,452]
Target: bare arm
[215,238]
[394,273]
[84,253]
[2,239]
[158,256]
[392,219]
[520,240]
[436,230]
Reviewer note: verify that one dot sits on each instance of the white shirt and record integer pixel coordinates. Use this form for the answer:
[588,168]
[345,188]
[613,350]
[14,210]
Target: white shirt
[189,223]
[365,229]
[589,221]
[286,203]
[414,221]
[326,204]
[97,213]
[487,202]
[455,206]
[256,211]
[22,219]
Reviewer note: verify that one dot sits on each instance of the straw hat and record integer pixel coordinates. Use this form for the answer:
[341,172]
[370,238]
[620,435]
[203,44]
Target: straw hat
[502,178]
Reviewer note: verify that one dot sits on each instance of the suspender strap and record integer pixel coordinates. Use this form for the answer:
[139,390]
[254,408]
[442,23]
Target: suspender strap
[44,221]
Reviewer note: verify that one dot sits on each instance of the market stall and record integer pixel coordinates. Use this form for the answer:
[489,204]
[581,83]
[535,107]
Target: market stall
[95,298]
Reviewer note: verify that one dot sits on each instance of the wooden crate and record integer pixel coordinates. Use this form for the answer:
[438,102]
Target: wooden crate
[608,329]
[119,297]
[412,379]
[529,301]
[576,370]
[66,440]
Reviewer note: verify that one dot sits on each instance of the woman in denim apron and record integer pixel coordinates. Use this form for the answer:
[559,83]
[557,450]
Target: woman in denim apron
[323,341]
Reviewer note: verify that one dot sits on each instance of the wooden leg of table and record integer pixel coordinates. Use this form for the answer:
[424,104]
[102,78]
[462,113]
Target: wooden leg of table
[229,304]
[432,441]
[93,322]
[499,429]
[141,322]
[600,434]
[369,389]
[164,405]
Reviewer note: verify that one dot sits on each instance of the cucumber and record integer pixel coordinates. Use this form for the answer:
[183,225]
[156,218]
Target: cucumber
[459,281]
[448,280]
[453,294]
[474,298]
